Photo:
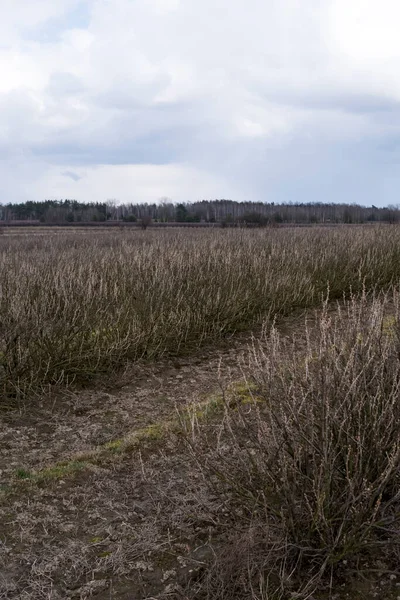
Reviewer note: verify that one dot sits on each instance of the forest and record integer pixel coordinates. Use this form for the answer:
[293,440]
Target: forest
[224,212]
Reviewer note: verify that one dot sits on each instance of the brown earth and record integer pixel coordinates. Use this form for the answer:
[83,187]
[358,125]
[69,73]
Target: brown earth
[61,425]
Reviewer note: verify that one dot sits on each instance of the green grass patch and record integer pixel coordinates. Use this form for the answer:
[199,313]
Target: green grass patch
[150,437]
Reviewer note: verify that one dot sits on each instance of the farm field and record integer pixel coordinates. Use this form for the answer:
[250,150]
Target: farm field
[73,307]
[200,414]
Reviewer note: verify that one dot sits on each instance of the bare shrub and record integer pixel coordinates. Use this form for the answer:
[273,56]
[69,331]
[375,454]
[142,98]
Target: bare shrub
[74,305]
[308,463]
[145,222]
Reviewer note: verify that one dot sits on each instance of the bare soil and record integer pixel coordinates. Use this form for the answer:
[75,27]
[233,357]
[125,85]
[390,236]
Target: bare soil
[61,425]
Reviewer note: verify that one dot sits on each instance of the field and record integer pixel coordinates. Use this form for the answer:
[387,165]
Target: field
[205,413]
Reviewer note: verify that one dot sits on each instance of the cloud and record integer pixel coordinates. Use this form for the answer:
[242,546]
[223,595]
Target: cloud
[71,175]
[270,100]
[125,183]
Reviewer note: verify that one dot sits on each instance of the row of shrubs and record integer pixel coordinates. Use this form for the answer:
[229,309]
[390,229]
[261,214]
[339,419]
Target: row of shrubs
[74,306]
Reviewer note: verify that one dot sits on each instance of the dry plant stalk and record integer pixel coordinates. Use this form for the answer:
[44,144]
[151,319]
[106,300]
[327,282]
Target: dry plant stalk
[308,461]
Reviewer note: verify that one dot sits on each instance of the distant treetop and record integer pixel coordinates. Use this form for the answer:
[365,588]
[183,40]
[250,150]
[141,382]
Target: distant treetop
[225,212]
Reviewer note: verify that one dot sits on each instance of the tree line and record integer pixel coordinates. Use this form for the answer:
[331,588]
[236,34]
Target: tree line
[223,212]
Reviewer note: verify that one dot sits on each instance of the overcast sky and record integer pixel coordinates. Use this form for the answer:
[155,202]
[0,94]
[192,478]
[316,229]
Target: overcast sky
[265,100]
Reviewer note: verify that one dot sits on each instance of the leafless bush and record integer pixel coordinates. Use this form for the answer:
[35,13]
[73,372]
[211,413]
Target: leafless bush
[308,463]
[72,306]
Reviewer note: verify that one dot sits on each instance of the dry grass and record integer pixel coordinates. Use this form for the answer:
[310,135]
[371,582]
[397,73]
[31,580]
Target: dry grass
[308,467]
[73,307]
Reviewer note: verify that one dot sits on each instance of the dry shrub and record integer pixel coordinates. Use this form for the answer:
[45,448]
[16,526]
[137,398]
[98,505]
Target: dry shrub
[308,463]
[73,305]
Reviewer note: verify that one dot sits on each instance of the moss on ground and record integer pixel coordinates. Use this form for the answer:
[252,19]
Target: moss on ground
[150,437]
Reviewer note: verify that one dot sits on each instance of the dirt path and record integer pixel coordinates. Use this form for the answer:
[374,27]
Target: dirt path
[67,424]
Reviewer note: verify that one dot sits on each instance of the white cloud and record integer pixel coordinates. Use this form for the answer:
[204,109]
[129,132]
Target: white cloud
[20,16]
[366,30]
[126,183]
[217,91]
